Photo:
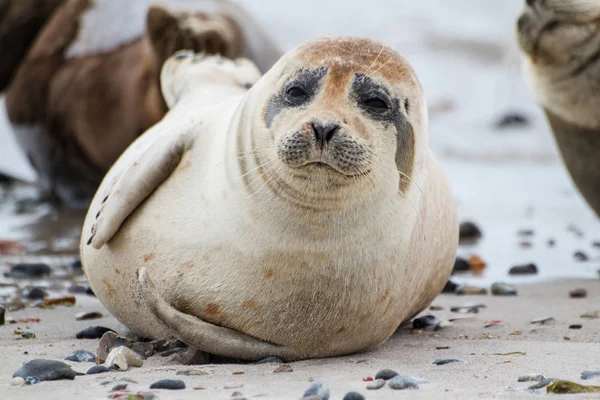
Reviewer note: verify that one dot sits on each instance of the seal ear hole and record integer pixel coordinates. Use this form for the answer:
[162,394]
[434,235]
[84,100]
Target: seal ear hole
[406,105]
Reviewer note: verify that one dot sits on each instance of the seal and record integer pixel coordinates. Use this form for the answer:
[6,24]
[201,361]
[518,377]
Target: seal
[85,92]
[303,217]
[560,41]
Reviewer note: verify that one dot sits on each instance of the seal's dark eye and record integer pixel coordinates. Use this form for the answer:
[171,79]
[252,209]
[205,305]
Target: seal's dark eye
[296,93]
[376,104]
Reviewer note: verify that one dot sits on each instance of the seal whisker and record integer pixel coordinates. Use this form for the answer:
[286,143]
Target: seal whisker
[374,61]
[381,66]
[258,167]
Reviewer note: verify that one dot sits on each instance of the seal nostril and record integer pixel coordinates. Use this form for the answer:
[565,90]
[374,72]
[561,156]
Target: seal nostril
[324,132]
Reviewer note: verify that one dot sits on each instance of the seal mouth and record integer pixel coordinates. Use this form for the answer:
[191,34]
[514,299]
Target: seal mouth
[317,167]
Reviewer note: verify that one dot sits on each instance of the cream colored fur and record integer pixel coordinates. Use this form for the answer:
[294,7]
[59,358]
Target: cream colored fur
[251,262]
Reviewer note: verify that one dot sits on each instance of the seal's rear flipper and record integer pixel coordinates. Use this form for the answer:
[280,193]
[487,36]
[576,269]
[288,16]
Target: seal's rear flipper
[142,177]
[205,336]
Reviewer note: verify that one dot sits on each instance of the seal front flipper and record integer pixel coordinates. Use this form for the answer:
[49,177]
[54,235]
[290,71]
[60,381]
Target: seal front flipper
[207,337]
[141,178]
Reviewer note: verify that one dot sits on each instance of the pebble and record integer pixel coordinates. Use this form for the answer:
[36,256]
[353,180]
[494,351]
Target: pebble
[580,256]
[122,358]
[376,384]
[275,360]
[316,391]
[353,396]
[17,381]
[444,361]
[76,265]
[531,378]
[84,316]
[476,264]
[425,322]
[502,289]
[81,356]
[29,270]
[469,232]
[2,315]
[97,369]
[525,232]
[568,387]
[403,382]
[450,287]
[238,396]
[93,332]
[283,368]
[46,370]
[578,293]
[591,315]
[468,308]
[471,290]
[145,349]
[233,386]
[58,301]
[119,387]
[386,374]
[512,120]
[35,293]
[460,265]
[192,372]
[171,384]
[585,375]
[527,269]
[542,384]
[542,320]
[31,380]
[575,326]
[109,341]
[551,242]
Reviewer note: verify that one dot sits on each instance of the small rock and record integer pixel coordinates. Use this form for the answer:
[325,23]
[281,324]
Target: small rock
[386,374]
[460,265]
[97,369]
[551,242]
[542,384]
[471,290]
[467,308]
[84,316]
[35,293]
[17,381]
[376,384]
[425,322]
[109,341]
[29,270]
[442,347]
[93,332]
[568,387]
[402,382]
[444,361]
[122,358]
[476,264]
[527,269]
[275,360]
[119,387]
[502,289]
[436,308]
[585,375]
[192,372]
[89,291]
[145,349]
[233,386]
[591,315]
[575,326]
[81,356]
[580,256]
[317,390]
[450,287]
[578,293]
[596,244]
[525,244]
[193,356]
[76,289]
[238,396]
[542,320]
[171,384]
[283,368]
[2,315]
[525,232]
[68,301]
[531,378]
[31,380]
[353,396]
[469,232]
[512,120]
[76,265]
[46,370]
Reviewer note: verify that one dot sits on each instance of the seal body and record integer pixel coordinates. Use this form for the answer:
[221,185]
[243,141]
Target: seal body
[89,85]
[303,218]
[560,41]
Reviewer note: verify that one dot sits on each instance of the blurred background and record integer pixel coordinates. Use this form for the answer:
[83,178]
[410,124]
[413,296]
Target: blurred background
[485,127]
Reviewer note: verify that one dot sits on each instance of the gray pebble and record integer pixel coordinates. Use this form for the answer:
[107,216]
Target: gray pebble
[579,293]
[97,369]
[542,384]
[2,315]
[527,269]
[81,356]
[471,290]
[444,361]
[531,378]
[29,270]
[376,384]
[425,322]
[88,315]
[386,374]
[171,384]
[542,320]
[402,382]
[275,360]
[46,370]
[35,293]
[502,289]
[317,390]
[93,332]
[585,375]
[353,396]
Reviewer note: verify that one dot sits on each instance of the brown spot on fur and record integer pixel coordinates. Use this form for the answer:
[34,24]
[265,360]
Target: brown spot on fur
[252,305]
[148,257]
[109,289]
[212,309]
[385,296]
[186,266]
[341,330]
[269,274]
[206,259]
[117,271]
[387,308]
[183,305]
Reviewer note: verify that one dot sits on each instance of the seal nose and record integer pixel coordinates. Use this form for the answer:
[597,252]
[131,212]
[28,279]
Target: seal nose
[324,131]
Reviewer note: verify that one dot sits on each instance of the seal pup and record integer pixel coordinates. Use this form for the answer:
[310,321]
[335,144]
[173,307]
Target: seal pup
[85,91]
[560,41]
[304,217]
